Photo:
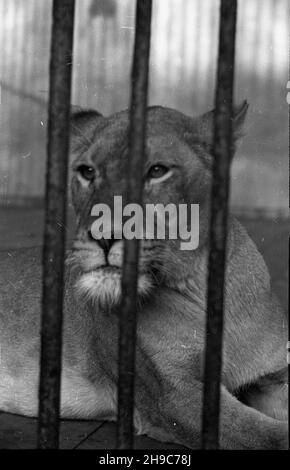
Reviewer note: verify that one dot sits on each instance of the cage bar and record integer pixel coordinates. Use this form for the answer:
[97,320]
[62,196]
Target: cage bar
[136,157]
[222,150]
[55,221]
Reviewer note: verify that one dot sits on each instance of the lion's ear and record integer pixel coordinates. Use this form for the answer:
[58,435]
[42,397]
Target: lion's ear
[84,123]
[240,113]
[205,123]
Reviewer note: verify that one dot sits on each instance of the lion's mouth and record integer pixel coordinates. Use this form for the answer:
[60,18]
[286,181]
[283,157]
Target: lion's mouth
[106,269]
[102,284]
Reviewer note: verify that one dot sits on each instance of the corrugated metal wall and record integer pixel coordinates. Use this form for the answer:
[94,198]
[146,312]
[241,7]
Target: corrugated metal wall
[183,58]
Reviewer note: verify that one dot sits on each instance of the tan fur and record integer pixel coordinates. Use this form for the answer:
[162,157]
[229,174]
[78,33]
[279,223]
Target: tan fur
[171,308]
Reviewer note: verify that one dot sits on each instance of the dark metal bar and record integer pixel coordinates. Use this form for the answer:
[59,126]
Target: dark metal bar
[134,194]
[288,344]
[55,222]
[223,150]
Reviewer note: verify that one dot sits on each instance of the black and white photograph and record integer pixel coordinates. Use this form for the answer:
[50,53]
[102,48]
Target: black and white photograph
[144,228]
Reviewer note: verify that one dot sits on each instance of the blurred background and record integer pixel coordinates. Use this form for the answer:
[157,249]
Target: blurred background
[183,68]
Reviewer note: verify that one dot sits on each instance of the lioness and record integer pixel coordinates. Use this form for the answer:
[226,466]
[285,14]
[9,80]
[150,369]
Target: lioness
[171,311]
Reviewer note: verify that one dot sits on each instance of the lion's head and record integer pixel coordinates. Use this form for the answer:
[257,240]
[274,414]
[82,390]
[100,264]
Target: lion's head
[177,171]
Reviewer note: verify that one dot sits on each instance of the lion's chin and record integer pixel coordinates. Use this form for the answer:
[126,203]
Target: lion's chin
[103,286]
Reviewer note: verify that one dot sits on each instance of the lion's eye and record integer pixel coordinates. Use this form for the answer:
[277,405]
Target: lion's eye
[87,172]
[157,171]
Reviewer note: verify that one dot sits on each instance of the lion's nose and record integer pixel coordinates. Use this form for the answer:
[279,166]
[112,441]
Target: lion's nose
[105,243]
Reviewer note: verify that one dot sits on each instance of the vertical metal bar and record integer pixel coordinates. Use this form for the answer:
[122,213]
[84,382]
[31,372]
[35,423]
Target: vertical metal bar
[223,150]
[288,344]
[134,194]
[55,221]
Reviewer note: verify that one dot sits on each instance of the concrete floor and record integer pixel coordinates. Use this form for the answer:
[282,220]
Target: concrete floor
[23,227]
[17,432]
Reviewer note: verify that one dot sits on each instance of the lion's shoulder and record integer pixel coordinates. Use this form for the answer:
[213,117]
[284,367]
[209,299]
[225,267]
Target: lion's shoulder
[245,258]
